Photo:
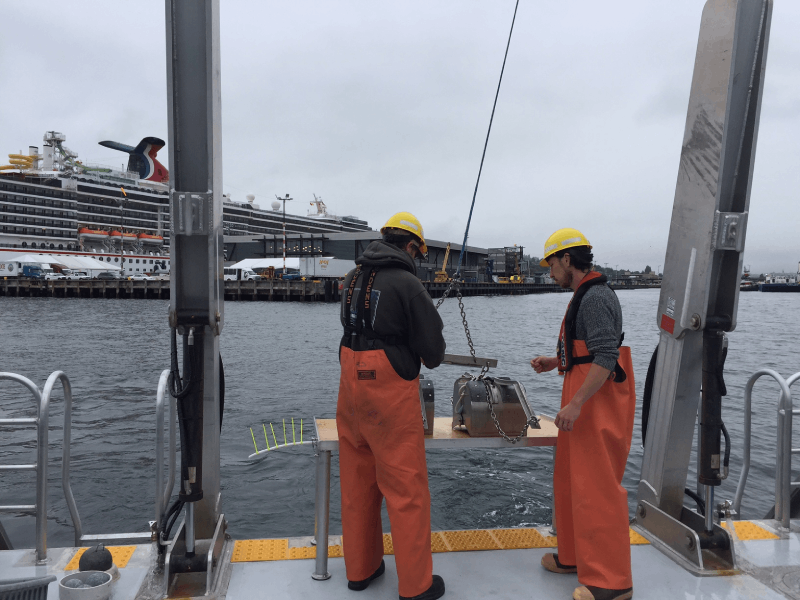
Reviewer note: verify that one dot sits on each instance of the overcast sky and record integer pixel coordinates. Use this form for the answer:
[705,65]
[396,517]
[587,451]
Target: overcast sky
[383,106]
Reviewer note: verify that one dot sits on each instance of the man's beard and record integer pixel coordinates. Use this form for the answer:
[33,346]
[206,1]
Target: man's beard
[566,283]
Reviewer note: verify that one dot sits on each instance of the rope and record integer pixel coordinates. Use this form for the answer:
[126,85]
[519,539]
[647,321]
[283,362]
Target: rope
[485,144]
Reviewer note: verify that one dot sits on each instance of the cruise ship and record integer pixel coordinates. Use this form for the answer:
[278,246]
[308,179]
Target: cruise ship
[53,204]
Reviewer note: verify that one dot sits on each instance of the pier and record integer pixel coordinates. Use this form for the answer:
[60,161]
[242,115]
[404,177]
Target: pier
[266,289]
[437,288]
[251,290]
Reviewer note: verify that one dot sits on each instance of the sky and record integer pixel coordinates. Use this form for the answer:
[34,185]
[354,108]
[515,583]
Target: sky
[379,107]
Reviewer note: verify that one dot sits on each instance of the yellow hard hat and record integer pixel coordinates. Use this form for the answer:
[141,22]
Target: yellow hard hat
[561,240]
[407,222]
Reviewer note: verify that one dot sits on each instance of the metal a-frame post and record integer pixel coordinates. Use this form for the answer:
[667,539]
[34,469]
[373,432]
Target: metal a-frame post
[196,282]
[700,288]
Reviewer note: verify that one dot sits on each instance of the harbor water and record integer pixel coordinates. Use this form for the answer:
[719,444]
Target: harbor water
[281,363]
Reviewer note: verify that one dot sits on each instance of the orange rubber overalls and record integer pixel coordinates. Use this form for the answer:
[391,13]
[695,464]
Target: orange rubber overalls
[382,455]
[590,503]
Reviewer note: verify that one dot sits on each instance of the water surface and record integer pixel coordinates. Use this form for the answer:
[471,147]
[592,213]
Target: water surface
[281,362]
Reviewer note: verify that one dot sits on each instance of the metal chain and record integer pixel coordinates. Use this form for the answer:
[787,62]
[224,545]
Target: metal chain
[446,293]
[454,284]
[484,370]
[532,422]
[497,423]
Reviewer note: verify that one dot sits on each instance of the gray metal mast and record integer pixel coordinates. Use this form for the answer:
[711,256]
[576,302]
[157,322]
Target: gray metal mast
[196,252]
[700,287]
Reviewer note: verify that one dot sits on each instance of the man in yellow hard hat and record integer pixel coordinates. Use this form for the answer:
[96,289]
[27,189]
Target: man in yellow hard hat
[390,327]
[598,401]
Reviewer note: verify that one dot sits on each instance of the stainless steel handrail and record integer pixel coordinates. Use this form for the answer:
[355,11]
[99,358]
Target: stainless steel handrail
[42,422]
[65,458]
[783,469]
[163,495]
[784,439]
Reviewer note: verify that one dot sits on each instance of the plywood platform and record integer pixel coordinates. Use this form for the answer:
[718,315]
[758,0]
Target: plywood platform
[445,437]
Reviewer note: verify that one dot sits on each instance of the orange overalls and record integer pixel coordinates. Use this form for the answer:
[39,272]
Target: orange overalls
[382,455]
[590,503]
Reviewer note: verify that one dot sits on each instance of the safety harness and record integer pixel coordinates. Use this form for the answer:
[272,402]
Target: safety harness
[361,323]
[566,360]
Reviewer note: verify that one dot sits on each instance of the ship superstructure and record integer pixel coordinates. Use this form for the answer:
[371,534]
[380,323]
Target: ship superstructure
[51,202]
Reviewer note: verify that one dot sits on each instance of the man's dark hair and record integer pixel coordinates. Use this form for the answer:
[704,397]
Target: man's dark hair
[581,257]
[399,238]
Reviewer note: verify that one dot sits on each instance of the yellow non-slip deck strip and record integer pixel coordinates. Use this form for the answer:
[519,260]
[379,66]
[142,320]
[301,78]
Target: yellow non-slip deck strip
[263,550]
[637,539]
[120,555]
[746,531]
[441,541]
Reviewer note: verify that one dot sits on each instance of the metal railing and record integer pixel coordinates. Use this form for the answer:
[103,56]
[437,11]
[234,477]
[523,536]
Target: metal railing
[41,420]
[162,494]
[783,451]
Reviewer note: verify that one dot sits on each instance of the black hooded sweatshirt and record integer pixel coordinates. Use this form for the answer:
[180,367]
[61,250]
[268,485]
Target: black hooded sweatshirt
[399,307]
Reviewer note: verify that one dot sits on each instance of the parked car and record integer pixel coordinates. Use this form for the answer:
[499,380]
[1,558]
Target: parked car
[54,276]
[77,275]
[106,275]
[139,277]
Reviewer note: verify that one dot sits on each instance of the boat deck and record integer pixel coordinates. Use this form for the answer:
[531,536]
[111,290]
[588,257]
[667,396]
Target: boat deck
[770,570]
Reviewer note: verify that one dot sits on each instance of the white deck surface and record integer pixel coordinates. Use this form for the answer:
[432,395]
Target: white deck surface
[501,574]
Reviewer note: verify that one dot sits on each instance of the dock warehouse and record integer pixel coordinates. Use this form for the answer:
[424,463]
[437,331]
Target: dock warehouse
[349,246]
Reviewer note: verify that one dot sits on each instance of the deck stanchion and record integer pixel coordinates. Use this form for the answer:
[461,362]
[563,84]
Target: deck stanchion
[322,509]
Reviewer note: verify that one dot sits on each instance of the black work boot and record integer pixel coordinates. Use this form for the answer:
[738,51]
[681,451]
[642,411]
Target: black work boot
[432,593]
[358,586]
[589,592]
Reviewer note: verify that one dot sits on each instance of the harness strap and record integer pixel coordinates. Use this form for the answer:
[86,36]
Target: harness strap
[350,289]
[619,374]
[361,323]
[564,350]
[363,318]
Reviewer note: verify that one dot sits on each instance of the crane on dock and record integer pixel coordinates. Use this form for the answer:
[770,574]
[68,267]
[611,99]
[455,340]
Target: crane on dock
[442,275]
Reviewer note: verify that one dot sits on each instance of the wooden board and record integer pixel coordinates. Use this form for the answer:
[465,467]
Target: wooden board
[444,436]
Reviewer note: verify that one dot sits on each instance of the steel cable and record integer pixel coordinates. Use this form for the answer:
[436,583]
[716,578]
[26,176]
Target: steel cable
[486,144]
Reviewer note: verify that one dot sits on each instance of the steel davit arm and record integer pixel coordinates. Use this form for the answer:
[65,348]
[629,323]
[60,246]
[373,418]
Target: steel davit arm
[703,266]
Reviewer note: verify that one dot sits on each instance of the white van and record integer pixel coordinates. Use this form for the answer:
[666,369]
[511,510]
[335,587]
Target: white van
[239,274]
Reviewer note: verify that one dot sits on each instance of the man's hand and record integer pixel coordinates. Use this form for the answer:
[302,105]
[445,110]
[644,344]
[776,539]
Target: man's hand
[541,364]
[567,416]
[595,378]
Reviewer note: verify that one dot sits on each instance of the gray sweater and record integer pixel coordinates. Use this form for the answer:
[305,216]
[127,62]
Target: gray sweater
[599,324]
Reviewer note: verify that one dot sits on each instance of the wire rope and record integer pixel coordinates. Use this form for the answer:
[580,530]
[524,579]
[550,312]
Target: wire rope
[485,145]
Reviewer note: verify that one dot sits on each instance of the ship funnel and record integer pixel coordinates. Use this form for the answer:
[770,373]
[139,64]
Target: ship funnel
[142,158]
